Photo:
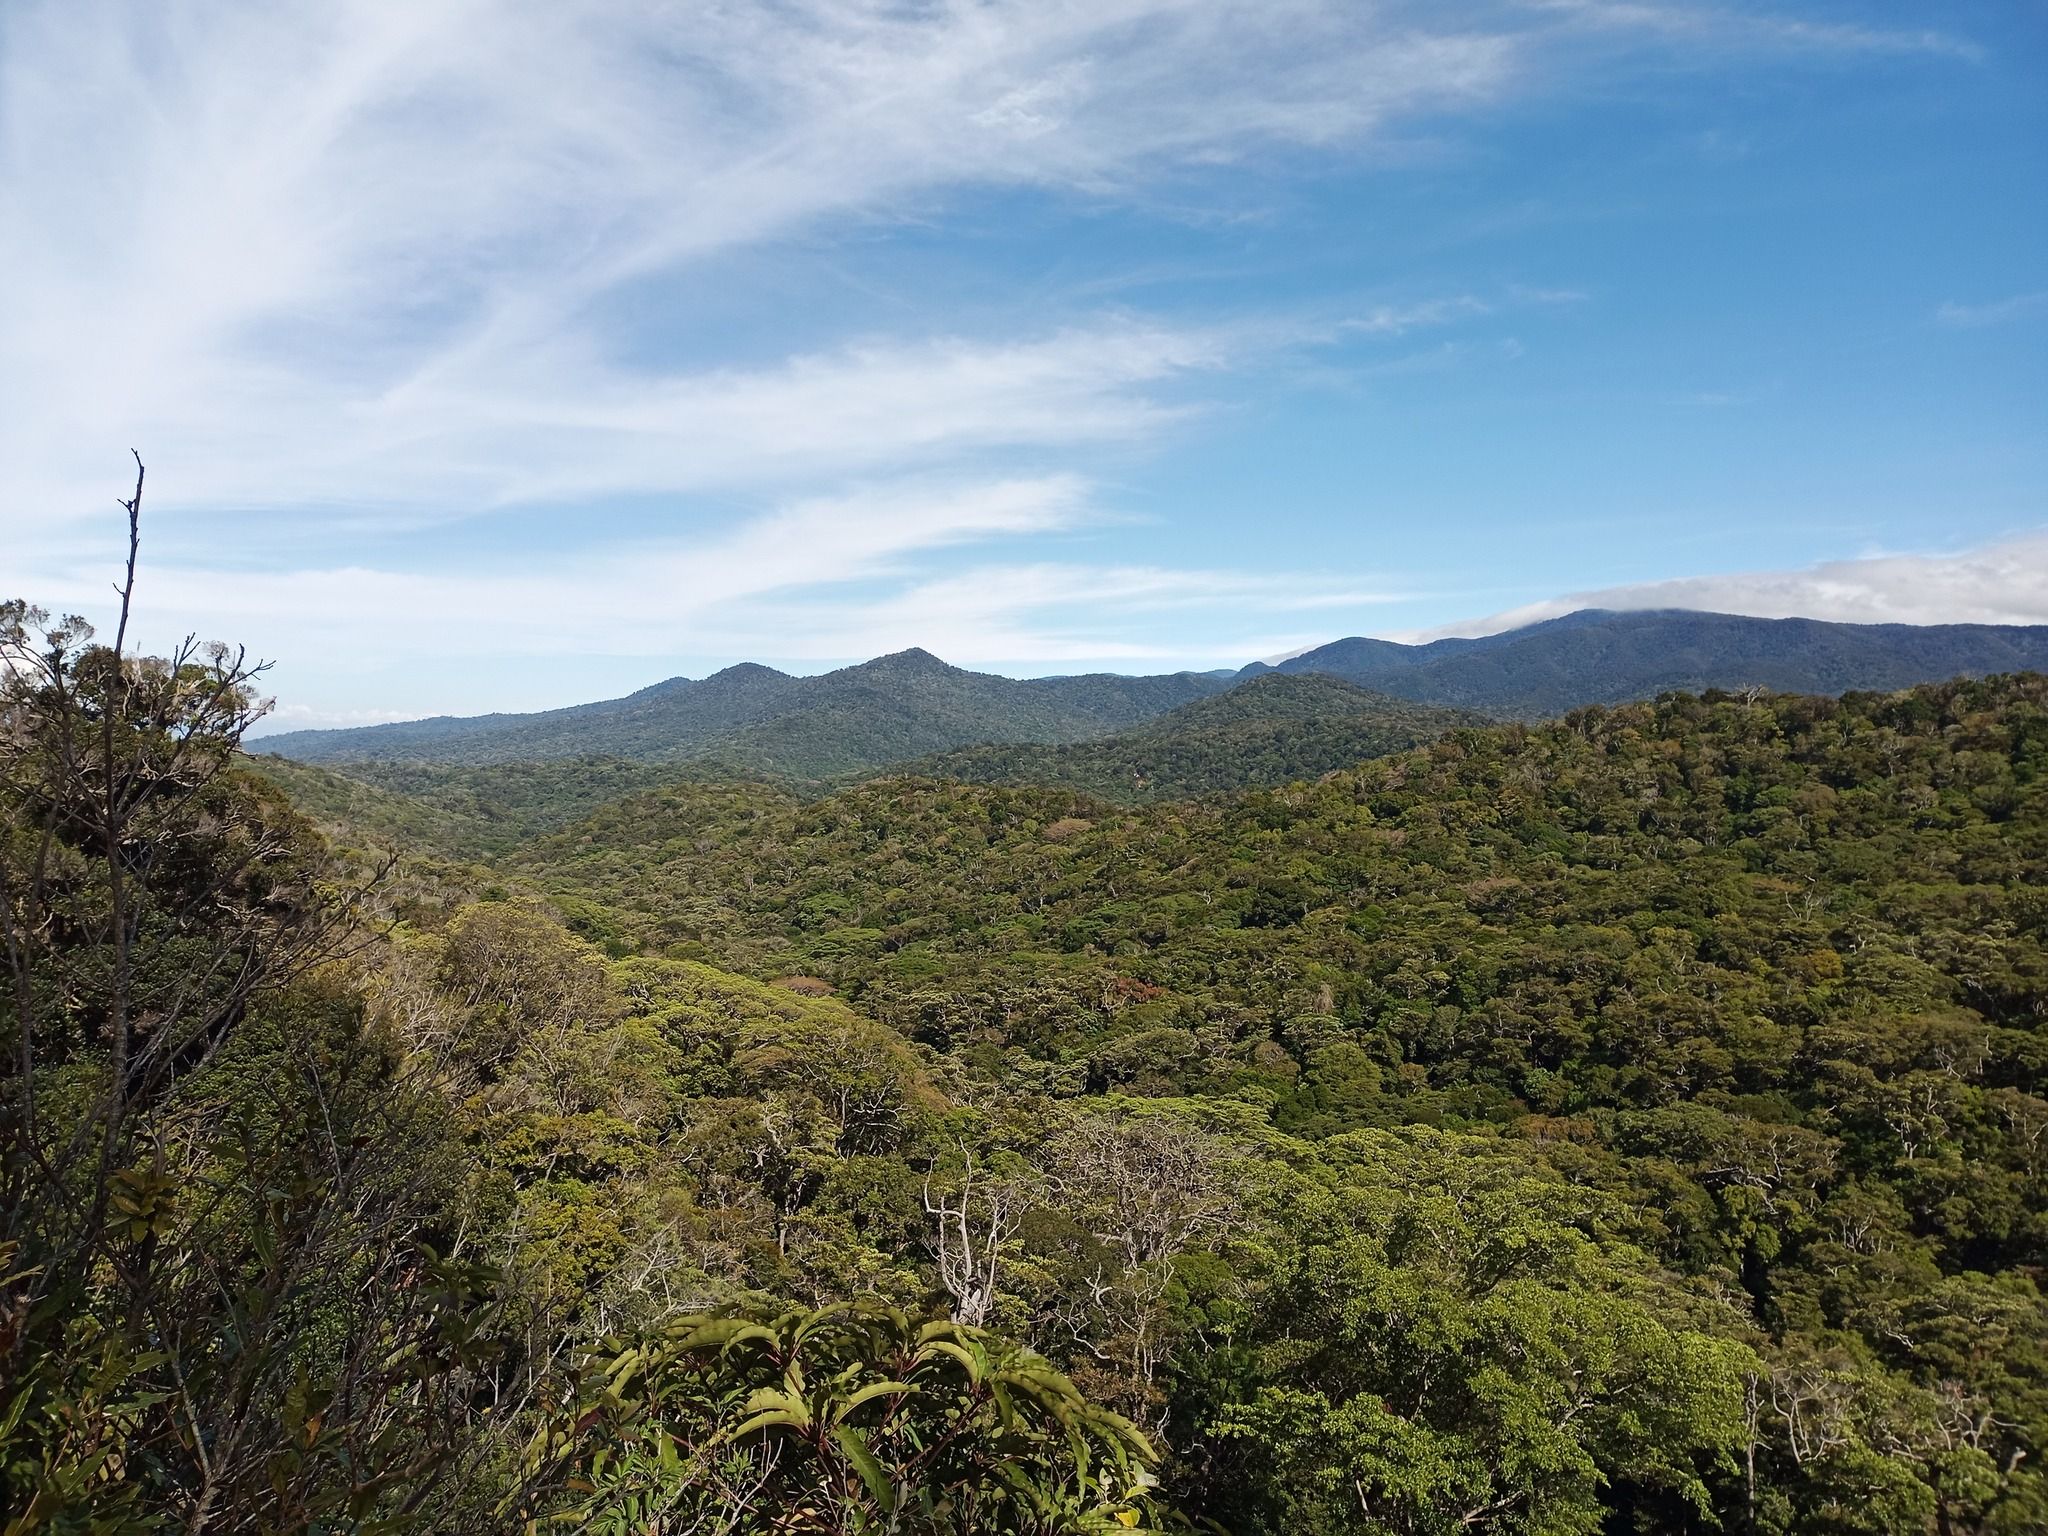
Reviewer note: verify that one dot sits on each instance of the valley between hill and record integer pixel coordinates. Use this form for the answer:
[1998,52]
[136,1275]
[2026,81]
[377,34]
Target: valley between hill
[1560,1116]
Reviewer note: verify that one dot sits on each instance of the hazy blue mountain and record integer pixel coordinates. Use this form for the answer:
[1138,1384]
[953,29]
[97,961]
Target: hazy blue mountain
[654,722]
[754,719]
[1600,657]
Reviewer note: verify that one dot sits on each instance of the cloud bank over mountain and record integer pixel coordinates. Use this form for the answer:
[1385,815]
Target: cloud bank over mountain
[2003,583]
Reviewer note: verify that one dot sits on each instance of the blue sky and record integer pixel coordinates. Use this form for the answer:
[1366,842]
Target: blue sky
[493,356]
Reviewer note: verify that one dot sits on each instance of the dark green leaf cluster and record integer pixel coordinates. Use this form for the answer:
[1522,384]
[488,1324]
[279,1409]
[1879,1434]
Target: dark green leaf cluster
[852,1418]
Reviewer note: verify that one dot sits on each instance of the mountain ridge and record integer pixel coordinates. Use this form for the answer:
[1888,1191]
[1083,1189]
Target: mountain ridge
[1608,656]
[903,705]
[911,704]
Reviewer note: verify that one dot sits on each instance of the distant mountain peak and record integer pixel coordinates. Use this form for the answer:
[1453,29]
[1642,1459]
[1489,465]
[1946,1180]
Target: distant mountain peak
[744,669]
[916,659]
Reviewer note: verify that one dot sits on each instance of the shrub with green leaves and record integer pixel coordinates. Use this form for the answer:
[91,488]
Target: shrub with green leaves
[852,1418]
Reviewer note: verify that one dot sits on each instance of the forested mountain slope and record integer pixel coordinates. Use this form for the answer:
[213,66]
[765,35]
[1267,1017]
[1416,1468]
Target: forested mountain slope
[752,719]
[912,704]
[1768,975]
[1267,731]
[462,811]
[1805,819]
[1601,657]
[657,721]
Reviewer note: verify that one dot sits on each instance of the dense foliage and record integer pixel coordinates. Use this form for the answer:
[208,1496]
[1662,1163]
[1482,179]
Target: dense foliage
[303,1235]
[1629,1124]
[459,812]
[219,1199]
[853,1417]
[1267,731]
[1761,979]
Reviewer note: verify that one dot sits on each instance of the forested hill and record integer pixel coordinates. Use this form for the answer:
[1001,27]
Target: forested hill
[1674,1075]
[1805,818]
[458,810]
[1267,731]
[1601,657]
[755,719]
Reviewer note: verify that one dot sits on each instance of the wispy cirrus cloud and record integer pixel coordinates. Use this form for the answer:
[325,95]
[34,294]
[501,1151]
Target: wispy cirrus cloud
[1752,27]
[1044,613]
[374,251]
[346,265]
[851,559]
[363,251]
[817,582]
[1399,319]
[2021,306]
[561,425]
[643,598]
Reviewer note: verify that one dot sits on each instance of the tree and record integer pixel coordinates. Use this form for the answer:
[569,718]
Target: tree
[975,1216]
[1450,1352]
[221,1303]
[1138,1193]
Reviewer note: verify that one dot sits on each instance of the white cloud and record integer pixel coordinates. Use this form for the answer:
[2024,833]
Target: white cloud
[562,426]
[649,599]
[343,252]
[1043,614]
[1398,319]
[1733,28]
[2024,306]
[2002,583]
[819,582]
[359,251]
